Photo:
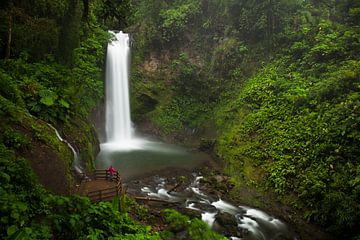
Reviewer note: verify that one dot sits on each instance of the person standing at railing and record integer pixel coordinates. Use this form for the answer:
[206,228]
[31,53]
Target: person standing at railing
[111,172]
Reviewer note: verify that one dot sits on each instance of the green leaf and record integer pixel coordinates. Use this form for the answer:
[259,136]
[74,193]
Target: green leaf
[11,230]
[48,97]
[115,203]
[64,103]
[5,178]
[19,235]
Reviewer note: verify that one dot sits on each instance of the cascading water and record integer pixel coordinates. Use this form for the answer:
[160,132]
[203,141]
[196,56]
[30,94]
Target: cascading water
[252,224]
[76,163]
[118,123]
[77,166]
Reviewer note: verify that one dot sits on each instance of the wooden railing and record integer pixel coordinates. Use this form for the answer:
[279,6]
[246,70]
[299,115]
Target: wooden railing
[105,174]
[107,193]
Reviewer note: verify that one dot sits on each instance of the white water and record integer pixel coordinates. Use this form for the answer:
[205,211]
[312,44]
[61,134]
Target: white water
[209,218]
[118,125]
[118,122]
[258,224]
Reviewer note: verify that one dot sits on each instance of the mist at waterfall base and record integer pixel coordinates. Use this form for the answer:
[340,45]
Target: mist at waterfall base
[132,155]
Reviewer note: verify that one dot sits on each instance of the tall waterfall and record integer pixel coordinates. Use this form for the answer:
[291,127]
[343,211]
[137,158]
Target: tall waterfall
[118,122]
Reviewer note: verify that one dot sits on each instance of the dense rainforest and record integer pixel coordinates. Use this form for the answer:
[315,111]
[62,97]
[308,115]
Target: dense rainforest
[270,88]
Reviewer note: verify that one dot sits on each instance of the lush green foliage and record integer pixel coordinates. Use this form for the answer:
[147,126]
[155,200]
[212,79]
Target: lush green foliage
[298,121]
[175,19]
[49,76]
[29,212]
[56,93]
[283,80]
[280,78]
[202,53]
[195,229]
[53,74]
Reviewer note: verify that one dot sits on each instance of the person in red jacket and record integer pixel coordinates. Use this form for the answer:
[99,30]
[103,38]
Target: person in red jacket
[111,171]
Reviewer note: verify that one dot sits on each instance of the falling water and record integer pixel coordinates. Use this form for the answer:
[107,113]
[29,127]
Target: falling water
[118,123]
[76,163]
[77,166]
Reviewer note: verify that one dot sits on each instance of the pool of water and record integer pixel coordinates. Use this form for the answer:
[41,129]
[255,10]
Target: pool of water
[142,157]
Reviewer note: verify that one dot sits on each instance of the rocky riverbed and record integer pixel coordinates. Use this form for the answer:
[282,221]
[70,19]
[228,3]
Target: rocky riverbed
[204,193]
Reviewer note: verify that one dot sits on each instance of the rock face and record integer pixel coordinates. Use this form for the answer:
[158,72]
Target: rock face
[51,166]
[51,159]
[35,141]
[81,133]
[217,184]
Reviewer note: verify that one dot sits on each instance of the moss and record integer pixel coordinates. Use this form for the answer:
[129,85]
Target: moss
[35,141]
[82,135]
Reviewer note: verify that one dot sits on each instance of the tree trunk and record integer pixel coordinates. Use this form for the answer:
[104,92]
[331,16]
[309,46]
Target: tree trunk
[85,10]
[8,43]
[69,34]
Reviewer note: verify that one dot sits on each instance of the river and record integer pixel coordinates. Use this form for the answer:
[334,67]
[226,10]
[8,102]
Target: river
[152,169]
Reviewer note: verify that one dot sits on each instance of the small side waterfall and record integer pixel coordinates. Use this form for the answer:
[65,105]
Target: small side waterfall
[77,166]
[76,163]
[118,123]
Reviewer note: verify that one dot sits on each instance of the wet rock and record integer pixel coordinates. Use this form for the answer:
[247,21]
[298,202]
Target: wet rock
[216,185]
[227,225]
[226,219]
[191,213]
[204,207]
[282,237]
[221,178]
[206,145]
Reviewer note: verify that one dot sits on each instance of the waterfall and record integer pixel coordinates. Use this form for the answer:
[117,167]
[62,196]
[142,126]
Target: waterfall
[118,123]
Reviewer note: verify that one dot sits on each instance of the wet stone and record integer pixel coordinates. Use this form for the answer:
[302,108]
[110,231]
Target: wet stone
[191,213]
[227,225]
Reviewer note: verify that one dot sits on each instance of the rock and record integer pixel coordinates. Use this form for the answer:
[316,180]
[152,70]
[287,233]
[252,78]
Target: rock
[227,225]
[220,178]
[226,219]
[206,145]
[191,213]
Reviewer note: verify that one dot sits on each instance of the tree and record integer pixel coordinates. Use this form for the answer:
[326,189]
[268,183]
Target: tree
[30,26]
[116,14]
[69,33]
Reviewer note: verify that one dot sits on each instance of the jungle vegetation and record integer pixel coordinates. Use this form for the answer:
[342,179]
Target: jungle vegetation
[278,80]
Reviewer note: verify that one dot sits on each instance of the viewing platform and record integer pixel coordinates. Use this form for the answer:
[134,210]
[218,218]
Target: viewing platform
[100,186]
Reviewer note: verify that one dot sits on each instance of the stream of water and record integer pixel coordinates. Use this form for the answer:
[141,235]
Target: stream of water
[252,224]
